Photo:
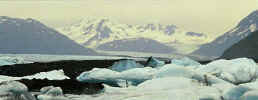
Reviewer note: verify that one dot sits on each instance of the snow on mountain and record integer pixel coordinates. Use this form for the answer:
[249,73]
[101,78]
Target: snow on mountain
[242,30]
[93,32]
[28,36]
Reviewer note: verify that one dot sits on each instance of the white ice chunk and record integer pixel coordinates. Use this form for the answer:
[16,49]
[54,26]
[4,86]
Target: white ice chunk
[175,88]
[237,71]
[51,75]
[5,60]
[13,86]
[44,90]
[168,83]
[98,75]
[172,70]
[123,65]
[13,90]
[153,62]
[185,62]
[51,93]
[138,75]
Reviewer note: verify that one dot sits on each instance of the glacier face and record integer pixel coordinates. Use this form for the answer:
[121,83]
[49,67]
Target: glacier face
[92,32]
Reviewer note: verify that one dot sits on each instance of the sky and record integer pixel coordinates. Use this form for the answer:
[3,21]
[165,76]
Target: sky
[205,16]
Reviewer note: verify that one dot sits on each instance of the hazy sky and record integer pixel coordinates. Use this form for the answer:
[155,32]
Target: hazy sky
[209,16]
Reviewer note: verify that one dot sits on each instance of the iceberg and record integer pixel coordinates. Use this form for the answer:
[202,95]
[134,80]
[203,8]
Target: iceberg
[51,75]
[13,90]
[110,77]
[176,88]
[153,62]
[168,83]
[138,75]
[236,71]
[126,64]
[51,93]
[99,75]
[172,70]
[185,62]
[5,60]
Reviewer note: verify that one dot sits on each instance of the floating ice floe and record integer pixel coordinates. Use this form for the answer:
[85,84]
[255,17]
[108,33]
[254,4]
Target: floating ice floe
[138,75]
[176,88]
[218,80]
[153,62]
[107,76]
[99,75]
[51,93]
[126,64]
[172,70]
[51,75]
[185,62]
[236,71]
[13,90]
[12,60]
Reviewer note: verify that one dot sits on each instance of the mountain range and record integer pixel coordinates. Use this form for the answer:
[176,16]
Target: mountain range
[247,47]
[107,34]
[28,36]
[216,48]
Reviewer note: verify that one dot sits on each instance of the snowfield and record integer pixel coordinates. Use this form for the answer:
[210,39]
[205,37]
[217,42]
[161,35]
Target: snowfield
[183,79]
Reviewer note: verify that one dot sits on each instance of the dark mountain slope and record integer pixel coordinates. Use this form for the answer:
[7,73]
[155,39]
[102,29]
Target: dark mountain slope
[136,45]
[28,36]
[247,47]
[215,49]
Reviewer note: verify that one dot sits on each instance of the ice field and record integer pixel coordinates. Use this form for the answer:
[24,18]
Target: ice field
[183,79]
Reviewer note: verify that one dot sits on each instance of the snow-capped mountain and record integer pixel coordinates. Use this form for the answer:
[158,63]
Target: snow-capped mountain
[93,32]
[28,36]
[243,29]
